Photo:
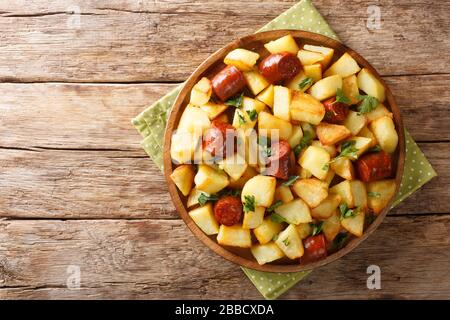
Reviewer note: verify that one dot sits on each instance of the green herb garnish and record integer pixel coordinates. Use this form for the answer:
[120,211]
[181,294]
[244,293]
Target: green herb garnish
[305,141]
[252,115]
[367,104]
[272,208]
[326,166]
[290,181]
[340,241]
[346,212]
[236,101]
[347,150]
[286,242]
[275,217]
[241,119]
[204,198]
[317,228]
[275,238]
[340,97]
[249,203]
[377,148]
[374,194]
[305,82]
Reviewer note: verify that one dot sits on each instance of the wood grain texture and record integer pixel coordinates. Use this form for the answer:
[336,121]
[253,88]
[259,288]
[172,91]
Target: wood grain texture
[148,259]
[84,159]
[123,41]
[92,116]
[126,184]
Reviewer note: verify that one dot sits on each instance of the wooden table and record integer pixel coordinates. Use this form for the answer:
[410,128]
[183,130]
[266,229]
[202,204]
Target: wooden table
[78,190]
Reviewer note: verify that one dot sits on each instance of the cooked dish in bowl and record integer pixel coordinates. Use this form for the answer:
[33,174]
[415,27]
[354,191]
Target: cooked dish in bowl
[285,154]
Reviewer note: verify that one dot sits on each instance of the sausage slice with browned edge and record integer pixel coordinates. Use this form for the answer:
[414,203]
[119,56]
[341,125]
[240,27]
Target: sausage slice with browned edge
[374,166]
[279,67]
[228,83]
[228,210]
[280,160]
[335,112]
[217,138]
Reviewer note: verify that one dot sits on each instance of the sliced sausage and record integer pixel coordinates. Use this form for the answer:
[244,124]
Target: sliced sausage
[335,112]
[228,210]
[219,137]
[374,166]
[279,67]
[315,249]
[280,162]
[228,83]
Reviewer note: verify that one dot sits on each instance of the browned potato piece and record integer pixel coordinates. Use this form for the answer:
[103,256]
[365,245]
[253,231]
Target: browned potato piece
[331,133]
[380,193]
[312,191]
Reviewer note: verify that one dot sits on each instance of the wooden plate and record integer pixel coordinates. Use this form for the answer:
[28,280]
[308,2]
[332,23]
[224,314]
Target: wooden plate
[209,68]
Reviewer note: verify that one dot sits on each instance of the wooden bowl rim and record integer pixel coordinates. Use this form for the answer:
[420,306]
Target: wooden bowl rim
[173,120]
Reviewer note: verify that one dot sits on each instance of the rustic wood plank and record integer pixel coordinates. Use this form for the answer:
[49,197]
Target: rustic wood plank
[150,259]
[119,184]
[90,116]
[127,41]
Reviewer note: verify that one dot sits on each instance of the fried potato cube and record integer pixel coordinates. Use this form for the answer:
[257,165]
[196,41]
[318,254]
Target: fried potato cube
[326,52]
[382,192]
[267,96]
[355,224]
[368,83]
[242,59]
[326,88]
[315,160]
[265,253]
[384,130]
[267,230]
[204,219]
[343,167]
[210,180]
[345,66]
[295,212]
[183,177]
[284,194]
[312,191]
[355,122]
[283,44]
[268,122]
[344,189]
[201,92]
[330,134]
[290,243]
[327,207]
[253,219]
[255,81]
[305,107]
[262,188]
[234,236]
[332,226]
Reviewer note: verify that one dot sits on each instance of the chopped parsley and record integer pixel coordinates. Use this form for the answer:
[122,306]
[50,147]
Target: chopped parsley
[340,241]
[241,118]
[346,212]
[249,203]
[316,228]
[272,208]
[286,242]
[305,82]
[252,115]
[204,198]
[367,104]
[236,101]
[290,181]
[340,97]
[275,217]
[377,148]
[374,194]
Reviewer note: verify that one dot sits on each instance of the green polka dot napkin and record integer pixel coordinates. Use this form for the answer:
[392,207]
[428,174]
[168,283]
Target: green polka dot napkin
[304,16]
